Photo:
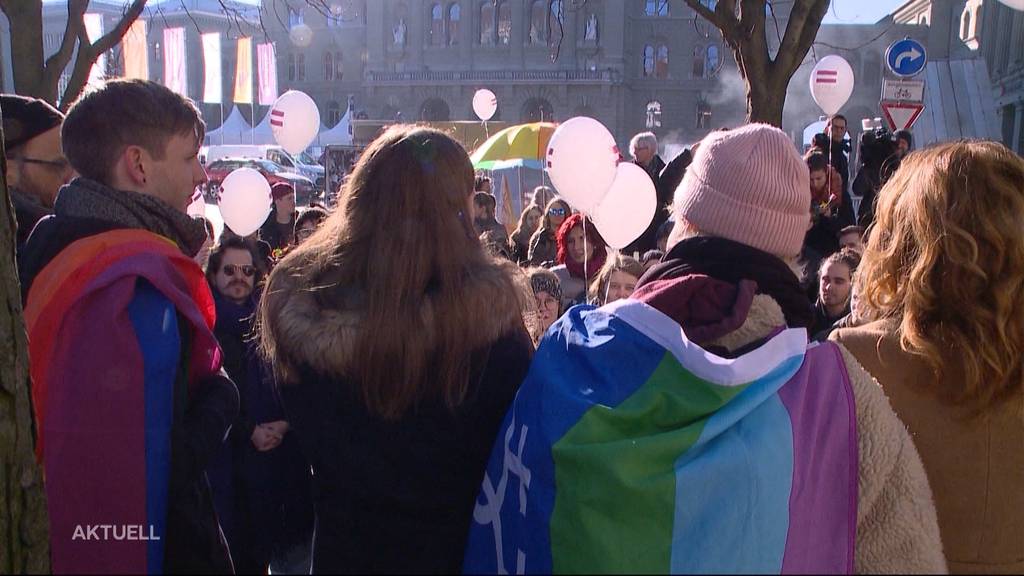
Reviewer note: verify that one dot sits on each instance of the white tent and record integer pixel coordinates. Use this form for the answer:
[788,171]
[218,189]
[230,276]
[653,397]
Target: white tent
[234,130]
[340,134]
[263,133]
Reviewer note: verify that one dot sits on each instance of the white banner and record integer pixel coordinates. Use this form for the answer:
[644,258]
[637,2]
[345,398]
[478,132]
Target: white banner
[213,90]
[243,72]
[94,29]
[266,62]
[175,71]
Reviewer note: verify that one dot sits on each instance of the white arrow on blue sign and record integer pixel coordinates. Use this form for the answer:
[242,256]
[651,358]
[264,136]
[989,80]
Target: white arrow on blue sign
[906,57]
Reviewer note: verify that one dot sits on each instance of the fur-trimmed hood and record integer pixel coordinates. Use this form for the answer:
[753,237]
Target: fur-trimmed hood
[306,331]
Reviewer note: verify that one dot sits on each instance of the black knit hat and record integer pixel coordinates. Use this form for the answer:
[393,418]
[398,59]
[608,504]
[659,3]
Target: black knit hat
[25,118]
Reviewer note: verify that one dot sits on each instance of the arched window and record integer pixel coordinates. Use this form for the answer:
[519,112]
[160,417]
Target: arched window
[454,16]
[333,113]
[966,30]
[328,66]
[653,115]
[437,25]
[538,110]
[648,62]
[699,59]
[924,20]
[713,62]
[538,22]
[710,4]
[487,33]
[435,110]
[339,65]
[661,62]
[656,8]
[505,23]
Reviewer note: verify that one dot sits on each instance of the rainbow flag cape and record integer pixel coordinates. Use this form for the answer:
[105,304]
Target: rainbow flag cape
[630,449]
[103,390]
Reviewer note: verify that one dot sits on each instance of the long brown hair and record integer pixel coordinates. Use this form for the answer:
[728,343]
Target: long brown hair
[400,256]
[945,259]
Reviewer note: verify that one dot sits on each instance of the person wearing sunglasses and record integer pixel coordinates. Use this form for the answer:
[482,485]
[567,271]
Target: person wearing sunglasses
[255,468]
[543,246]
[36,167]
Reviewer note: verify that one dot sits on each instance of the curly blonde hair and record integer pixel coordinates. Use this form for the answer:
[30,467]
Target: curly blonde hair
[945,259]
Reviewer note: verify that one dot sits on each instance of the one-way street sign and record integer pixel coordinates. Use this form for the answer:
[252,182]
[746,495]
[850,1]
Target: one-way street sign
[906,57]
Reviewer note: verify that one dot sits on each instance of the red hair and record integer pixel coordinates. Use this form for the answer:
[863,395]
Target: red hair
[595,262]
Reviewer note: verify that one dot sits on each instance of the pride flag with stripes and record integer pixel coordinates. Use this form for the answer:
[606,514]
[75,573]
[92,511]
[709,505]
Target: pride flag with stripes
[120,330]
[630,449]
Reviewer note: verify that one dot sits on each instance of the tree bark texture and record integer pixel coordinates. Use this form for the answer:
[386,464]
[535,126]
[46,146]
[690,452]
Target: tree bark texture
[24,524]
[743,24]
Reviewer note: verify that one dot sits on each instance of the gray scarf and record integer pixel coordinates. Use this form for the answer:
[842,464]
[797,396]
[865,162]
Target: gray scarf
[84,198]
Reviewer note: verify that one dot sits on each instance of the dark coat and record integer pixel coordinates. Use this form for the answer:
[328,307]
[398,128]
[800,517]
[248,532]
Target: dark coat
[250,487]
[543,248]
[194,543]
[398,497]
[272,234]
[28,212]
[839,160]
[665,183]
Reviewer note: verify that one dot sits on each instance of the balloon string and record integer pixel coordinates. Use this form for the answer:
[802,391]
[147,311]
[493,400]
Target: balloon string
[586,277]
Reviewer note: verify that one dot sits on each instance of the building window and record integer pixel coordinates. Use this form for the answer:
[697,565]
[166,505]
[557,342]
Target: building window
[538,22]
[291,67]
[923,21]
[300,67]
[710,4]
[653,115]
[505,23]
[333,113]
[295,17]
[437,25]
[661,62]
[328,66]
[454,16]
[538,110]
[698,62]
[648,60]
[487,32]
[656,8]
[713,62]
[703,120]
[339,65]
[555,22]
[435,110]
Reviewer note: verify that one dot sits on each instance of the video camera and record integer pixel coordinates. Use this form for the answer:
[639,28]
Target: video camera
[877,143]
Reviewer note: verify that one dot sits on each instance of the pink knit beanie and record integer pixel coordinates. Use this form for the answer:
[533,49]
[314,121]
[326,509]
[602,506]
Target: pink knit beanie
[748,185]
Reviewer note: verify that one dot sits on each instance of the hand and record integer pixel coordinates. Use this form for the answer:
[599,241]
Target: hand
[264,439]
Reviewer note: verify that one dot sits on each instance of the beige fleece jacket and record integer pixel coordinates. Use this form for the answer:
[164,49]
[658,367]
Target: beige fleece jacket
[897,528]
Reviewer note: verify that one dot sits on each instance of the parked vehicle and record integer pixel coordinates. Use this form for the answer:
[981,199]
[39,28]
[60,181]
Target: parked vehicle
[305,191]
[300,164]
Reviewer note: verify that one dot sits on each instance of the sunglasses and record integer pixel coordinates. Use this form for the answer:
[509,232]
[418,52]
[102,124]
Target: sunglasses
[556,212]
[230,269]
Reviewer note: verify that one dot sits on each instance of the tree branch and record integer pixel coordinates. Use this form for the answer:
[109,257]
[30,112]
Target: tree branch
[56,63]
[713,17]
[802,28]
[114,36]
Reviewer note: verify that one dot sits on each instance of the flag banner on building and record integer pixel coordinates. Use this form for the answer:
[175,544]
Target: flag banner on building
[266,62]
[243,72]
[630,449]
[136,51]
[175,70]
[213,90]
[94,30]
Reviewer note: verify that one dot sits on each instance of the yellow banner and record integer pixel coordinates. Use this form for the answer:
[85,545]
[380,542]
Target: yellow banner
[136,53]
[243,72]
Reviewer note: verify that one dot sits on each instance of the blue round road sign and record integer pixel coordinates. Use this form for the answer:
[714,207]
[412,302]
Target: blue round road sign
[906,57]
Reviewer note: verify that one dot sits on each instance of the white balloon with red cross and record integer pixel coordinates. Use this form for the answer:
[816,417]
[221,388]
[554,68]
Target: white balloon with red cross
[295,121]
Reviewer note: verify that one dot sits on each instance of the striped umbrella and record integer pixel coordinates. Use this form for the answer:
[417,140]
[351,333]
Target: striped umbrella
[521,145]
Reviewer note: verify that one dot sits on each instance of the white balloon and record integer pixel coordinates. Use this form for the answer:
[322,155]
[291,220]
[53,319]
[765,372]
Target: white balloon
[581,160]
[245,201]
[628,208]
[485,104]
[198,205]
[295,121]
[1015,4]
[831,83]
[301,35]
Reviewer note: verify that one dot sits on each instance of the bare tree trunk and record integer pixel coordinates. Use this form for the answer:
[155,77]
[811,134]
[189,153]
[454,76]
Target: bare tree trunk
[745,31]
[24,525]
[26,25]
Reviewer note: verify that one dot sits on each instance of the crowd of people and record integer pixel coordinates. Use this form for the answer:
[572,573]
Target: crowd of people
[766,380]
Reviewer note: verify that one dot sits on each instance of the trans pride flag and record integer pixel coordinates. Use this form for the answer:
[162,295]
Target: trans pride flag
[106,340]
[630,449]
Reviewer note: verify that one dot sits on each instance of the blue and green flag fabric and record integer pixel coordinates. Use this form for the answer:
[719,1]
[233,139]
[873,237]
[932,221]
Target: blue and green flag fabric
[630,449]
